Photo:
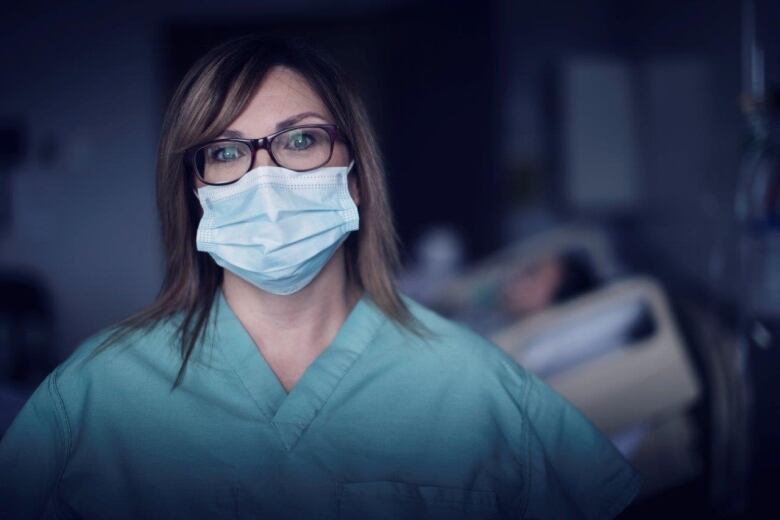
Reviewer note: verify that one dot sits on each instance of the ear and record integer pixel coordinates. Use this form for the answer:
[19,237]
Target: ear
[354,189]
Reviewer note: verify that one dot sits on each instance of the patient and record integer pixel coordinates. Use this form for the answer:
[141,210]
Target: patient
[550,280]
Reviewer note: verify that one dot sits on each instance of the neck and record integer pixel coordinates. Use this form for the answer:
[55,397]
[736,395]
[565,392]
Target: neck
[301,323]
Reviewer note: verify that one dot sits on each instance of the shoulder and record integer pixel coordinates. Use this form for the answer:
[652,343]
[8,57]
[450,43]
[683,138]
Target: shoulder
[458,344]
[107,365]
[113,347]
[575,470]
[451,357]
[441,332]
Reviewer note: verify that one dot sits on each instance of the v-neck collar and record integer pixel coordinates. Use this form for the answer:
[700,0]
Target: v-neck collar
[291,413]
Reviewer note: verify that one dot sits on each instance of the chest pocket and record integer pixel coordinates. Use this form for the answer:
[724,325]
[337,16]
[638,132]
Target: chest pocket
[387,500]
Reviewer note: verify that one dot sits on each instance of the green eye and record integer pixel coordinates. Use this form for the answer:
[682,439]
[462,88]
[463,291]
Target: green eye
[299,141]
[302,148]
[226,153]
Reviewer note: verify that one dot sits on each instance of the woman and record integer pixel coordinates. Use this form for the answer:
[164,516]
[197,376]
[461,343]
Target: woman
[304,385]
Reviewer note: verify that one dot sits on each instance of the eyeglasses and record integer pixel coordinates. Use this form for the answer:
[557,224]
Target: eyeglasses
[298,148]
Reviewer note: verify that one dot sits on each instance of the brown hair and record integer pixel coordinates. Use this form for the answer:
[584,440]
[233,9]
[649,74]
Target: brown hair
[211,95]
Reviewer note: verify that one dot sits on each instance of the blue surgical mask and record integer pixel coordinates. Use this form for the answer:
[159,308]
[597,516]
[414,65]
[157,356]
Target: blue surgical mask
[277,228]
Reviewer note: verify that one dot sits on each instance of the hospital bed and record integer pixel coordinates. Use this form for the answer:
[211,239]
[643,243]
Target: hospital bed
[618,356]
[616,352]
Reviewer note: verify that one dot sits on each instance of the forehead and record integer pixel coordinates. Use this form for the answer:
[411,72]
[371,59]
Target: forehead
[283,93]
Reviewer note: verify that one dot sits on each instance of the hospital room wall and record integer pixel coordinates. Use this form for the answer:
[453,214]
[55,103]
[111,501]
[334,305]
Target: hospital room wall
[81,80]
[682,64]
[691,133]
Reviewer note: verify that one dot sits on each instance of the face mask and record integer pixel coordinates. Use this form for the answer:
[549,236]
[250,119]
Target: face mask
[277,228]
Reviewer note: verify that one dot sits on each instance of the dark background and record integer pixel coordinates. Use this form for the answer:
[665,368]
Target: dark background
[473,105]
[466,101]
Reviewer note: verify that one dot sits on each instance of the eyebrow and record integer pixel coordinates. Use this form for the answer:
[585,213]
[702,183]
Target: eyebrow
[281,125]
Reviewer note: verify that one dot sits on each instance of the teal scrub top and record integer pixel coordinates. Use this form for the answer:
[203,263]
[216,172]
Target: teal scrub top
[383,424]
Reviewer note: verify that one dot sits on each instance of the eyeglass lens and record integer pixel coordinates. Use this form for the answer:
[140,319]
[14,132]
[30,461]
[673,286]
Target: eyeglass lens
[297,149]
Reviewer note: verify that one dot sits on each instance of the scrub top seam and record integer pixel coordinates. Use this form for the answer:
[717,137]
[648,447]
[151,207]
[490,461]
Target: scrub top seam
[621,500]
[260,406]
[384,322]
[533,381]
[214,347]
[525,440]
[280,435]
[308,424]
[64,424]
[54,390]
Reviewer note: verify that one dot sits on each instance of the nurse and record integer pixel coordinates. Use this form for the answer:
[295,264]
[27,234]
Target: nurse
[280,374]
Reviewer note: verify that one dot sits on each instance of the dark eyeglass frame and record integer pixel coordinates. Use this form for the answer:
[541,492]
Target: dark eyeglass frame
[264,143]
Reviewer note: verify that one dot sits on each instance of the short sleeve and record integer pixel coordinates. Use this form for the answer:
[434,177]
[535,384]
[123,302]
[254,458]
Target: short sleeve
[576,472]
[32,454]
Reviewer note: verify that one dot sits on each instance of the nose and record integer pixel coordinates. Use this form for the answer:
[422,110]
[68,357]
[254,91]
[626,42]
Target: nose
[263,158]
